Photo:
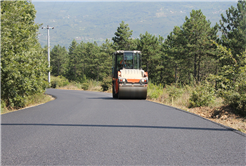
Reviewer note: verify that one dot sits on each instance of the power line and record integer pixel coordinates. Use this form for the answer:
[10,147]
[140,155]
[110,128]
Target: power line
[69,8]
[52,8]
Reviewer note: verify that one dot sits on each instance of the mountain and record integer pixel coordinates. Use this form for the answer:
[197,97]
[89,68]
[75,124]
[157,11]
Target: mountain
[97,21]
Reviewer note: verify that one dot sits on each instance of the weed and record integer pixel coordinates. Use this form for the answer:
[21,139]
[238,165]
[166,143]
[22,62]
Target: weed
[59,81]
[106,83]
[202,95]
[154,91]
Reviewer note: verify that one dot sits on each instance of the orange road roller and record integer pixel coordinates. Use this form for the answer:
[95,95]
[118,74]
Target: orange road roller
[129,80]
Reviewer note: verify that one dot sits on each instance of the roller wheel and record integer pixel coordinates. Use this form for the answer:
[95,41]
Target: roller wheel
[115,96]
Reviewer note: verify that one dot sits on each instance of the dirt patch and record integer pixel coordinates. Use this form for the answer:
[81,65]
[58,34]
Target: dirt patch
[223,115]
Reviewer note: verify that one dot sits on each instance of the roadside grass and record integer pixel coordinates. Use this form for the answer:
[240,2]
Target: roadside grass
[176,95]
[90,85]
[94,85]
[179,97]
[31,101]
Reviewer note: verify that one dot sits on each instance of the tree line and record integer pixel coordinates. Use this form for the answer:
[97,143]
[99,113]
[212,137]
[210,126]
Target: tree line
[194,52]
[188,53]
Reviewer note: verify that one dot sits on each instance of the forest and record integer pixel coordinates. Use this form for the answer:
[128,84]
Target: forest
[192,54]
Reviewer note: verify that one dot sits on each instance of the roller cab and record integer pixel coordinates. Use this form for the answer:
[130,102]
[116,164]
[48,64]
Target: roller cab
[128,78]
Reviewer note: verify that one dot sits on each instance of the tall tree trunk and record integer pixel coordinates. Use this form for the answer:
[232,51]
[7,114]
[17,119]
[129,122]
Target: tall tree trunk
[148,67]
[97,73]
[189,76]
[195,61]
[198,72]
[58,68]
[176,68]
[161,78]
[216,86]
[74,72]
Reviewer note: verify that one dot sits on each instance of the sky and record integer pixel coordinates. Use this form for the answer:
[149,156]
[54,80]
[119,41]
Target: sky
[133,0]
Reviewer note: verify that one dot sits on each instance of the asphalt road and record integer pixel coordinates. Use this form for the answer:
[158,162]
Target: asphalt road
[91,128]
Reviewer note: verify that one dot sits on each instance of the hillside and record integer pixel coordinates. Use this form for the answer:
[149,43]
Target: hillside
[96,21]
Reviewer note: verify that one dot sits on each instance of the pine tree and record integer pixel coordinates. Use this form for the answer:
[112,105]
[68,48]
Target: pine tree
[58,58]
[199,34]
[122,39]
[92,57]
[188,49]
[233,28]
[174,49]
[107,50]
[150,47]
[73,61]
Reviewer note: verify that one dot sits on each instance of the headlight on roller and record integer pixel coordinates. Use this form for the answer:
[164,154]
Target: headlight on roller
[143,81]
[122,80]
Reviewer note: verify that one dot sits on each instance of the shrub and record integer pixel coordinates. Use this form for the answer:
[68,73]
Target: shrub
[106,83]
[23,66]
[236,96]
[59,81]
[3,105]
[85,86]
[154,91]
[94,85]
[236,100]
[53,84]
[174,91]
[231,80]
[202,95]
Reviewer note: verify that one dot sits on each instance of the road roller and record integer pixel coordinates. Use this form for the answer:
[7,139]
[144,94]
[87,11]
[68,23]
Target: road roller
[129,80]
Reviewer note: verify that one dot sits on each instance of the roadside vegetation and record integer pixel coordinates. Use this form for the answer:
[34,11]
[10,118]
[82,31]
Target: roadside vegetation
[23,64]
[199,99]
[29,102]
[194,68]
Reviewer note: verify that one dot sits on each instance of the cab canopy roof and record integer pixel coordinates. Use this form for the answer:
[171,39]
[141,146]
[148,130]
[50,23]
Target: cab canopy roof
[123,51]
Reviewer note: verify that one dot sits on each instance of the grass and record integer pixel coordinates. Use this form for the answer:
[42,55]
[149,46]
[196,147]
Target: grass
[179,97]
[31,101]
[90,85]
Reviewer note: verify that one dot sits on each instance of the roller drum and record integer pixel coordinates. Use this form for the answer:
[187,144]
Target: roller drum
[132,92]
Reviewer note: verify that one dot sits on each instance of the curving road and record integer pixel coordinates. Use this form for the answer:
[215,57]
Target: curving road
[91,128]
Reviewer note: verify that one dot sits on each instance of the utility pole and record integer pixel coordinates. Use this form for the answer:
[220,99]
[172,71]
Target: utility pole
[48,44]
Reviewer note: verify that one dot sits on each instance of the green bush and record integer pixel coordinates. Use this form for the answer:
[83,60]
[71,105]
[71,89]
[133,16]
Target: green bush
[236,100]
[231,79]
[59,81]
[154,91]
[24,68]
[106,83]
[3,104]
[174,91]
[236,96]
[53,84]
[85,86]
[202,95]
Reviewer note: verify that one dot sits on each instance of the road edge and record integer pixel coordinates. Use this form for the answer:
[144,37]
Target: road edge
[226,127]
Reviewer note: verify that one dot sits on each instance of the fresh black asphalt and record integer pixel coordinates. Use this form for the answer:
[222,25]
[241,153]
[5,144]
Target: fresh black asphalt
[91,128]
